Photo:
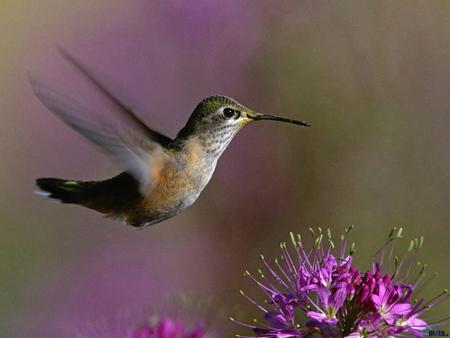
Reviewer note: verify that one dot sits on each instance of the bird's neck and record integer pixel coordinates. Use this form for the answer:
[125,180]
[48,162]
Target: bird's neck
[213,140]
[211,144]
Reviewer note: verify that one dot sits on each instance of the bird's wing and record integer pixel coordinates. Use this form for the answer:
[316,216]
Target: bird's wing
[136,154]
[123,108]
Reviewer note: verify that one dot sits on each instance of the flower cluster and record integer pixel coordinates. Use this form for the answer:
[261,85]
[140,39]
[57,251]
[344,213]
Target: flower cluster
[167,328]
[318,291]
[157,327]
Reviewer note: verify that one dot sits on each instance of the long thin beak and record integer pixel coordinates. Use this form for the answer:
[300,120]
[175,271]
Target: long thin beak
[257,116]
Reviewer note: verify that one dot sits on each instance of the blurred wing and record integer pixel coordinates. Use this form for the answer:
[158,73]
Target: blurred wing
[134,153]
[123,108]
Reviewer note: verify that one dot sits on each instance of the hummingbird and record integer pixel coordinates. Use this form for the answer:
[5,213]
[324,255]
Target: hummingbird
[162,176]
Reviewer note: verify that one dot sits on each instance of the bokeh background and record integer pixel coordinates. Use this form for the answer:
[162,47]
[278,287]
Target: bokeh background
[373,79]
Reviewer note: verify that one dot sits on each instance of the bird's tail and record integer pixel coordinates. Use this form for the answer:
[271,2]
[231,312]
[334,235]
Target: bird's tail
[111,197]
[63,191]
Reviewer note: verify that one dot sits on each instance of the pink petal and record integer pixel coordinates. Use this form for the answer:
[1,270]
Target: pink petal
[319,316]
[400,309]
[417,324]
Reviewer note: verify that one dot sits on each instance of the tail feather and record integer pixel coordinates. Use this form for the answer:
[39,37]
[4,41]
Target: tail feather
[113,196]
[64,191]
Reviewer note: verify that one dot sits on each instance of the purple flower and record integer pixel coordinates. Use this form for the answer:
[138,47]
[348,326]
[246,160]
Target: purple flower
[167,328]
[331,301]
[160,328]
[387,303]
[338,300]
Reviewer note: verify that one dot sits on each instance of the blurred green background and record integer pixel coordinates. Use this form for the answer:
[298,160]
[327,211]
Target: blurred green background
[372,77]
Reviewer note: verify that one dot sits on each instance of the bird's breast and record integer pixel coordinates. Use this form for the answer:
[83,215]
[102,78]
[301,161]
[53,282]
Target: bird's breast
[178,183]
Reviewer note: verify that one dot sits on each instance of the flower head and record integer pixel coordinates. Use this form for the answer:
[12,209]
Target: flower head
[321,284]
[168,328]
[164,327]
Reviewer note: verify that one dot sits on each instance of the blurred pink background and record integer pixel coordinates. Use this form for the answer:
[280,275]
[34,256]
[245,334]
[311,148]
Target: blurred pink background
[371,77]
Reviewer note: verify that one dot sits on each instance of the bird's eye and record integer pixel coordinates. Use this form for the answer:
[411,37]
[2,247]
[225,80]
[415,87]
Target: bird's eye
[229,113]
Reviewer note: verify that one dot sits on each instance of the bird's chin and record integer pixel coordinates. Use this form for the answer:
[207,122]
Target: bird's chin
[244,122]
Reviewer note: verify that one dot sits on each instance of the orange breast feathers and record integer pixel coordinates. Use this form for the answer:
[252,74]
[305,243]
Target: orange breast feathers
[176,177]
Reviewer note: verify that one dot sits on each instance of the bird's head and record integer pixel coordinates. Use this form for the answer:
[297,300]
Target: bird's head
[217,119]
